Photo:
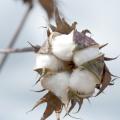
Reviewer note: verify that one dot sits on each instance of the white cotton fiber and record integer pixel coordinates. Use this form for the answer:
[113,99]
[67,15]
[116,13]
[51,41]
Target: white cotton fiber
[82,56]
[83,81]
[48,61]
[58,84]
[63,46]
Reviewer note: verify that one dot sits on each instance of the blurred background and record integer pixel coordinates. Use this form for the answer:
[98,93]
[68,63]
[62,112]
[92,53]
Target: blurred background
[17,78]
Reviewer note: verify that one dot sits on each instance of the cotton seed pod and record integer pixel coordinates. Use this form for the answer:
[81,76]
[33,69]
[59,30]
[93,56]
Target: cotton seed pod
[63,46]
[87,54]
[48,61]
[83,82]
[58,84]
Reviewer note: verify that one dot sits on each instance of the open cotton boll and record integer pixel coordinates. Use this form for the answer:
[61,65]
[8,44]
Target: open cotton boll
[63,46]
[87,54]
[58,84]
[83,82]
[48,61]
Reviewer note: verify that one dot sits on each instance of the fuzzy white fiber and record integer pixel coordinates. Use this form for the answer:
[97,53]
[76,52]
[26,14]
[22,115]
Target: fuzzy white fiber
[48,61]
[82,56]
[83,81]
[63,46]
[58,84]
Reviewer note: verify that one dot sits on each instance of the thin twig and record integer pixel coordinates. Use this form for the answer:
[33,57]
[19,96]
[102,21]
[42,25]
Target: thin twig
[15,36]
[16,50]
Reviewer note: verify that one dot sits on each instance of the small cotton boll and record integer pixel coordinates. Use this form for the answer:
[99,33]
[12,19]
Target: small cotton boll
[58,84]
[83,81]
[82,56]
[63,46]
[48,61]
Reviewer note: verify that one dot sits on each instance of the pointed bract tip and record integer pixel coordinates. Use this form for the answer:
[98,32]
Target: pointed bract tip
[35,48]
[101,46]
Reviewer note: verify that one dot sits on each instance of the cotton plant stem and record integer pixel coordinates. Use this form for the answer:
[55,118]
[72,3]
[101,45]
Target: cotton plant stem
[16,50]
[15,36]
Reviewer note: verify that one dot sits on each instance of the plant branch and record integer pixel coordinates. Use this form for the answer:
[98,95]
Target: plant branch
[16,50]
[15,36]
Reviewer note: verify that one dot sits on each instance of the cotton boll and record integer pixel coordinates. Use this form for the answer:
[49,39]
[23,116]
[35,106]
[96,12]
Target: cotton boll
[63,46]
[82,56]
[58,84]
[83,82]
[48,61]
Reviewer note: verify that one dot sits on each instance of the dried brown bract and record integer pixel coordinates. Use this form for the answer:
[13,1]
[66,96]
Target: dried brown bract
[53,105]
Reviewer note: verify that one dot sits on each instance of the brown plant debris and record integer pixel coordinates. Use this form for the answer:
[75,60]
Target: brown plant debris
[49,6]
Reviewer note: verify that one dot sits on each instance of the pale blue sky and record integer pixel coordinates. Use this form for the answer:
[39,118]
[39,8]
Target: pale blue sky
[101,17]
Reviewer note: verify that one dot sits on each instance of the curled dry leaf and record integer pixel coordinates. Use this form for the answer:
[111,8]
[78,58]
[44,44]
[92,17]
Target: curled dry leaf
[49,6]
